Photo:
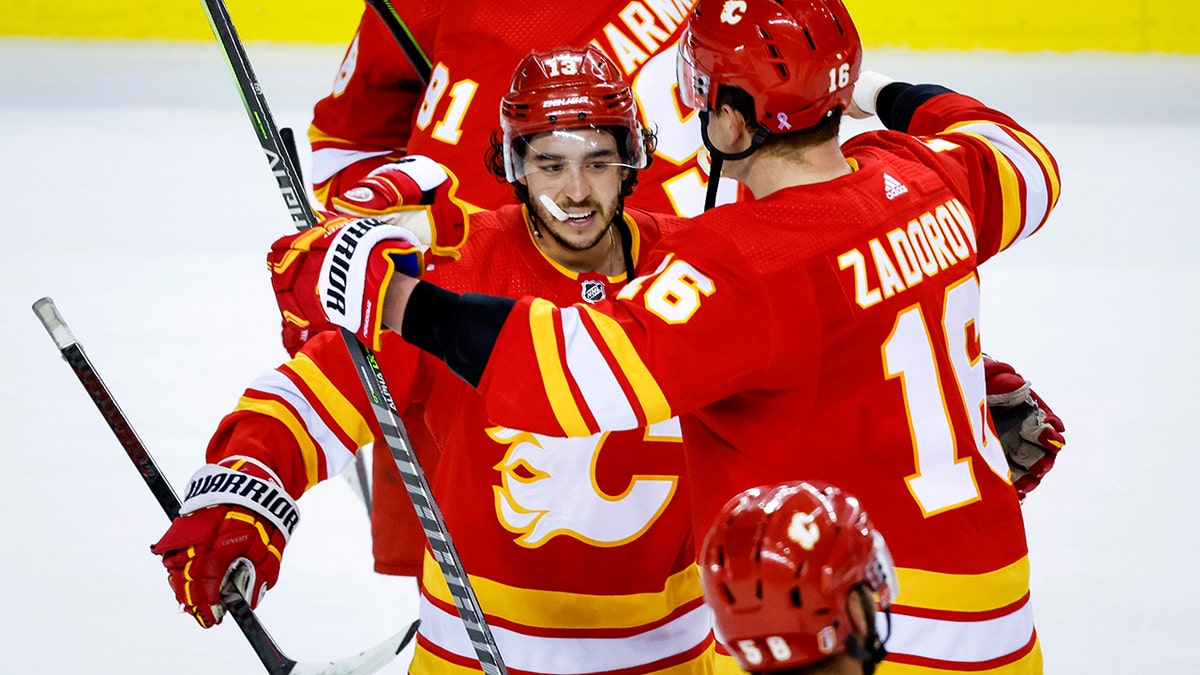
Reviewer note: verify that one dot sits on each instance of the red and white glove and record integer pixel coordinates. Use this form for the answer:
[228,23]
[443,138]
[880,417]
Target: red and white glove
[1030,432]
[414,193]
[295,263]
[229,537]
[356,267]
[294,280]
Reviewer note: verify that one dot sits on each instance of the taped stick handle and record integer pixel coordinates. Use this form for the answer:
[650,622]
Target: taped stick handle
[48,314]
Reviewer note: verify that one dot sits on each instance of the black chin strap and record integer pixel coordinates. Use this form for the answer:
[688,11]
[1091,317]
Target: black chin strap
[870,650]
[714,178]
[718,158]
[626,240]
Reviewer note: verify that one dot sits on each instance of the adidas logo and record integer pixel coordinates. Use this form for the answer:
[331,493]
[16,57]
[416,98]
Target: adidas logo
[893,188]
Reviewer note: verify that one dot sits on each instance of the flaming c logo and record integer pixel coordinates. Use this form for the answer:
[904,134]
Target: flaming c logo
[732,12]
[804,531]
[548,488]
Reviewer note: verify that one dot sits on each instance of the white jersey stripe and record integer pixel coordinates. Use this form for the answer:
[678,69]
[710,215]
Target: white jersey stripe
[337,455]
[1037,201]
[328,161]
[570,655]
[601,390]
[960,641]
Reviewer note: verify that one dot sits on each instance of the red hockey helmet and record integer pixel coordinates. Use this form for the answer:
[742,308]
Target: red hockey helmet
[778,566]
[565,89]
[798,59]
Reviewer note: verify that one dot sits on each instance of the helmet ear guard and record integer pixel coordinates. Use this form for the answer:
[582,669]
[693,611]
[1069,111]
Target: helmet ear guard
[565,89]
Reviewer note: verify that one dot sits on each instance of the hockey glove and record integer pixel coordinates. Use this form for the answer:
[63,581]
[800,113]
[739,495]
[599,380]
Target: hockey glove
[414,193]
[294,280]
[229,537]
[1029,431]
[355,271]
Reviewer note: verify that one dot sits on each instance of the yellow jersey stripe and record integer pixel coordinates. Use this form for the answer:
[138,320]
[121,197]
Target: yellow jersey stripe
[344,414]
[276,410]
[558,392]
[649,395]
[963,592]
[1038,150]
[1010,188]
[425,662]
[545,609]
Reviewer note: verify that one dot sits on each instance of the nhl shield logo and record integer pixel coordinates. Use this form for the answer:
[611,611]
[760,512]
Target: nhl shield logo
[593,291]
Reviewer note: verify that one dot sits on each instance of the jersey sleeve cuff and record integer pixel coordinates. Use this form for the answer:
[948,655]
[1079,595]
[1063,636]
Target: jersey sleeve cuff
[458,329]
[898,102]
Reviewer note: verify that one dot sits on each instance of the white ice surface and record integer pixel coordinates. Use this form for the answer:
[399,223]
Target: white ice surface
[135,195]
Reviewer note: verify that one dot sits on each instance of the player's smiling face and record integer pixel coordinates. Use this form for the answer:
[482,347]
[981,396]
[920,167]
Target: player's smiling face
[579,171]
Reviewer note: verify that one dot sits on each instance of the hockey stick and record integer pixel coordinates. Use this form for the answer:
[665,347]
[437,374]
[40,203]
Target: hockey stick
[404,37]
[420,64]
[360,478]
[279,145]
[264,646]
[369,374]
[294,194]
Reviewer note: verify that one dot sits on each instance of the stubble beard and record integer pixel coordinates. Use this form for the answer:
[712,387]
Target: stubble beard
[549,226]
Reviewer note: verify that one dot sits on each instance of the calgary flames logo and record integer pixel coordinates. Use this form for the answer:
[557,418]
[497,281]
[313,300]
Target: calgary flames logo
[548,487]
[732,12]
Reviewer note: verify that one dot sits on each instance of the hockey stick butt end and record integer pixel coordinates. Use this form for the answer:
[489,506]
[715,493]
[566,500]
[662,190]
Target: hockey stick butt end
[53,322]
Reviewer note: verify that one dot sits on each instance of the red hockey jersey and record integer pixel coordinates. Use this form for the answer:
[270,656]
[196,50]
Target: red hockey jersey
[579,549]
[830,332]
[379,110]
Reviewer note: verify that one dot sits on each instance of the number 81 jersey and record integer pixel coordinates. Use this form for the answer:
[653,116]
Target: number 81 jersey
[379,110]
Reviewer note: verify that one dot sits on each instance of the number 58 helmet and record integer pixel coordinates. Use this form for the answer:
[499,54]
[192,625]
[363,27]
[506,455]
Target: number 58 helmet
[798,59]
[778,567]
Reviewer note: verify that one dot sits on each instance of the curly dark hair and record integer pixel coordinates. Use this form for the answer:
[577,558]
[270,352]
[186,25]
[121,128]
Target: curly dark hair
[494,159]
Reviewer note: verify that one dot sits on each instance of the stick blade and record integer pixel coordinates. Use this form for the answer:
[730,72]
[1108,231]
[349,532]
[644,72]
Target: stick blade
[368,661]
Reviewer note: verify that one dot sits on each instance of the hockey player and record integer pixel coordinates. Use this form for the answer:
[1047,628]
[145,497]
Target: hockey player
[580,549]
[826,329]
[380,111]
[794,574]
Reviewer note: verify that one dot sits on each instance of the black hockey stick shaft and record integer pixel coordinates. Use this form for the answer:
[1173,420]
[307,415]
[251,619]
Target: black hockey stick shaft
[286,174]
[360,468]
[371,377]
[421,65]
[428,512]
[289,146]
[404,37]
[268,651]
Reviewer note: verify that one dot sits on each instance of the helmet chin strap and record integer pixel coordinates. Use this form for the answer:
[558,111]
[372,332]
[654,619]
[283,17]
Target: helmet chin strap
[718,157]
[626,239]
[870,650]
